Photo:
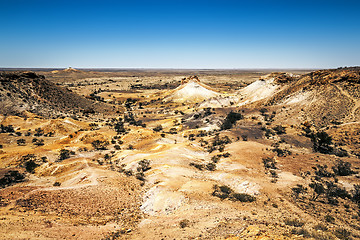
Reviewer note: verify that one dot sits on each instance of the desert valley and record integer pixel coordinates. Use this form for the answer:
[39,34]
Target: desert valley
[180,154]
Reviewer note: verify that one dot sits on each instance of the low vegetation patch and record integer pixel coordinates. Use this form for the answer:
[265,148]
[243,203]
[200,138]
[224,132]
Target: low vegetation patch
[65,154]
[231,119]
[225,192]
[11,177]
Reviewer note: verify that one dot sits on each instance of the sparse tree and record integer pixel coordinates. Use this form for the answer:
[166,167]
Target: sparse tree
[21,142]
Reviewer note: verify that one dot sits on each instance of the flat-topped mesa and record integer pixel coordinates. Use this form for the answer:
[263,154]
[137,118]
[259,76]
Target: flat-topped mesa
[190,79]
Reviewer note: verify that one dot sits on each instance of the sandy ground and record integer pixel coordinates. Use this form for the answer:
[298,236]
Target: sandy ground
[101,193]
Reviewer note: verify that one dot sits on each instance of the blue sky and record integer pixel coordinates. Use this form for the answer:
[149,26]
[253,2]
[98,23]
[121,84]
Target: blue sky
[180,34]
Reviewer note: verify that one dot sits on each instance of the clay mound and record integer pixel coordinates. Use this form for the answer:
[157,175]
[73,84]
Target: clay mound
[67,70]
[324,96]
[192,91]
[258,90]
[27,91]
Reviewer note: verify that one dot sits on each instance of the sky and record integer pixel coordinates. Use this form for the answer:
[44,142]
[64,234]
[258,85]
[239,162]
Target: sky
[179,34]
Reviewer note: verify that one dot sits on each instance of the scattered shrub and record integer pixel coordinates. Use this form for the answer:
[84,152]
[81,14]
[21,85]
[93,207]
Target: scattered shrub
[6,129]
[11,177]
[341,152]
[328,218]
[184,223]
[197,165]
[301,231]
[30,166]
[342,168]
[64,154]
[210,166]
[215,159]
[242,197]
[224,192]
[274,173]
[321,227]
[143,165]
[281,152]
[158,128]
[57,184]
[342,233]
[38,132]
[322,171]
[294,222]
[140,176]
[318,189]
[100,144]
[38,142]
[128,172]
[279,130]
[21,142]
[321,142]
[173,131]
[356,193]
[231,119]
[269,163]
[334,190]
[299,189]
[268,132]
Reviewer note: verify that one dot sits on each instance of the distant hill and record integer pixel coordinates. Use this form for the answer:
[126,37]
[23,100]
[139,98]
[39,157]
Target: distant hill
[28,92]
[67,70]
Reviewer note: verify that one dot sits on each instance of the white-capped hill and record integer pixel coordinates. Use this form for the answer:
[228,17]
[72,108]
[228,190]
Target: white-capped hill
[191,90]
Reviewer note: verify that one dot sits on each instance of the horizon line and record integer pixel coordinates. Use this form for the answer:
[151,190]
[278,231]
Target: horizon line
[170,68]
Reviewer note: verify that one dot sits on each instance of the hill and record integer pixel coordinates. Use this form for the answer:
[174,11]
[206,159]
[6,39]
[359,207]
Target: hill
[27,91]
[191,90]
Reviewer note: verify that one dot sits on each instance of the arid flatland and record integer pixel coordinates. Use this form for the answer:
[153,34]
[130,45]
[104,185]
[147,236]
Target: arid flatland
[180,154]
